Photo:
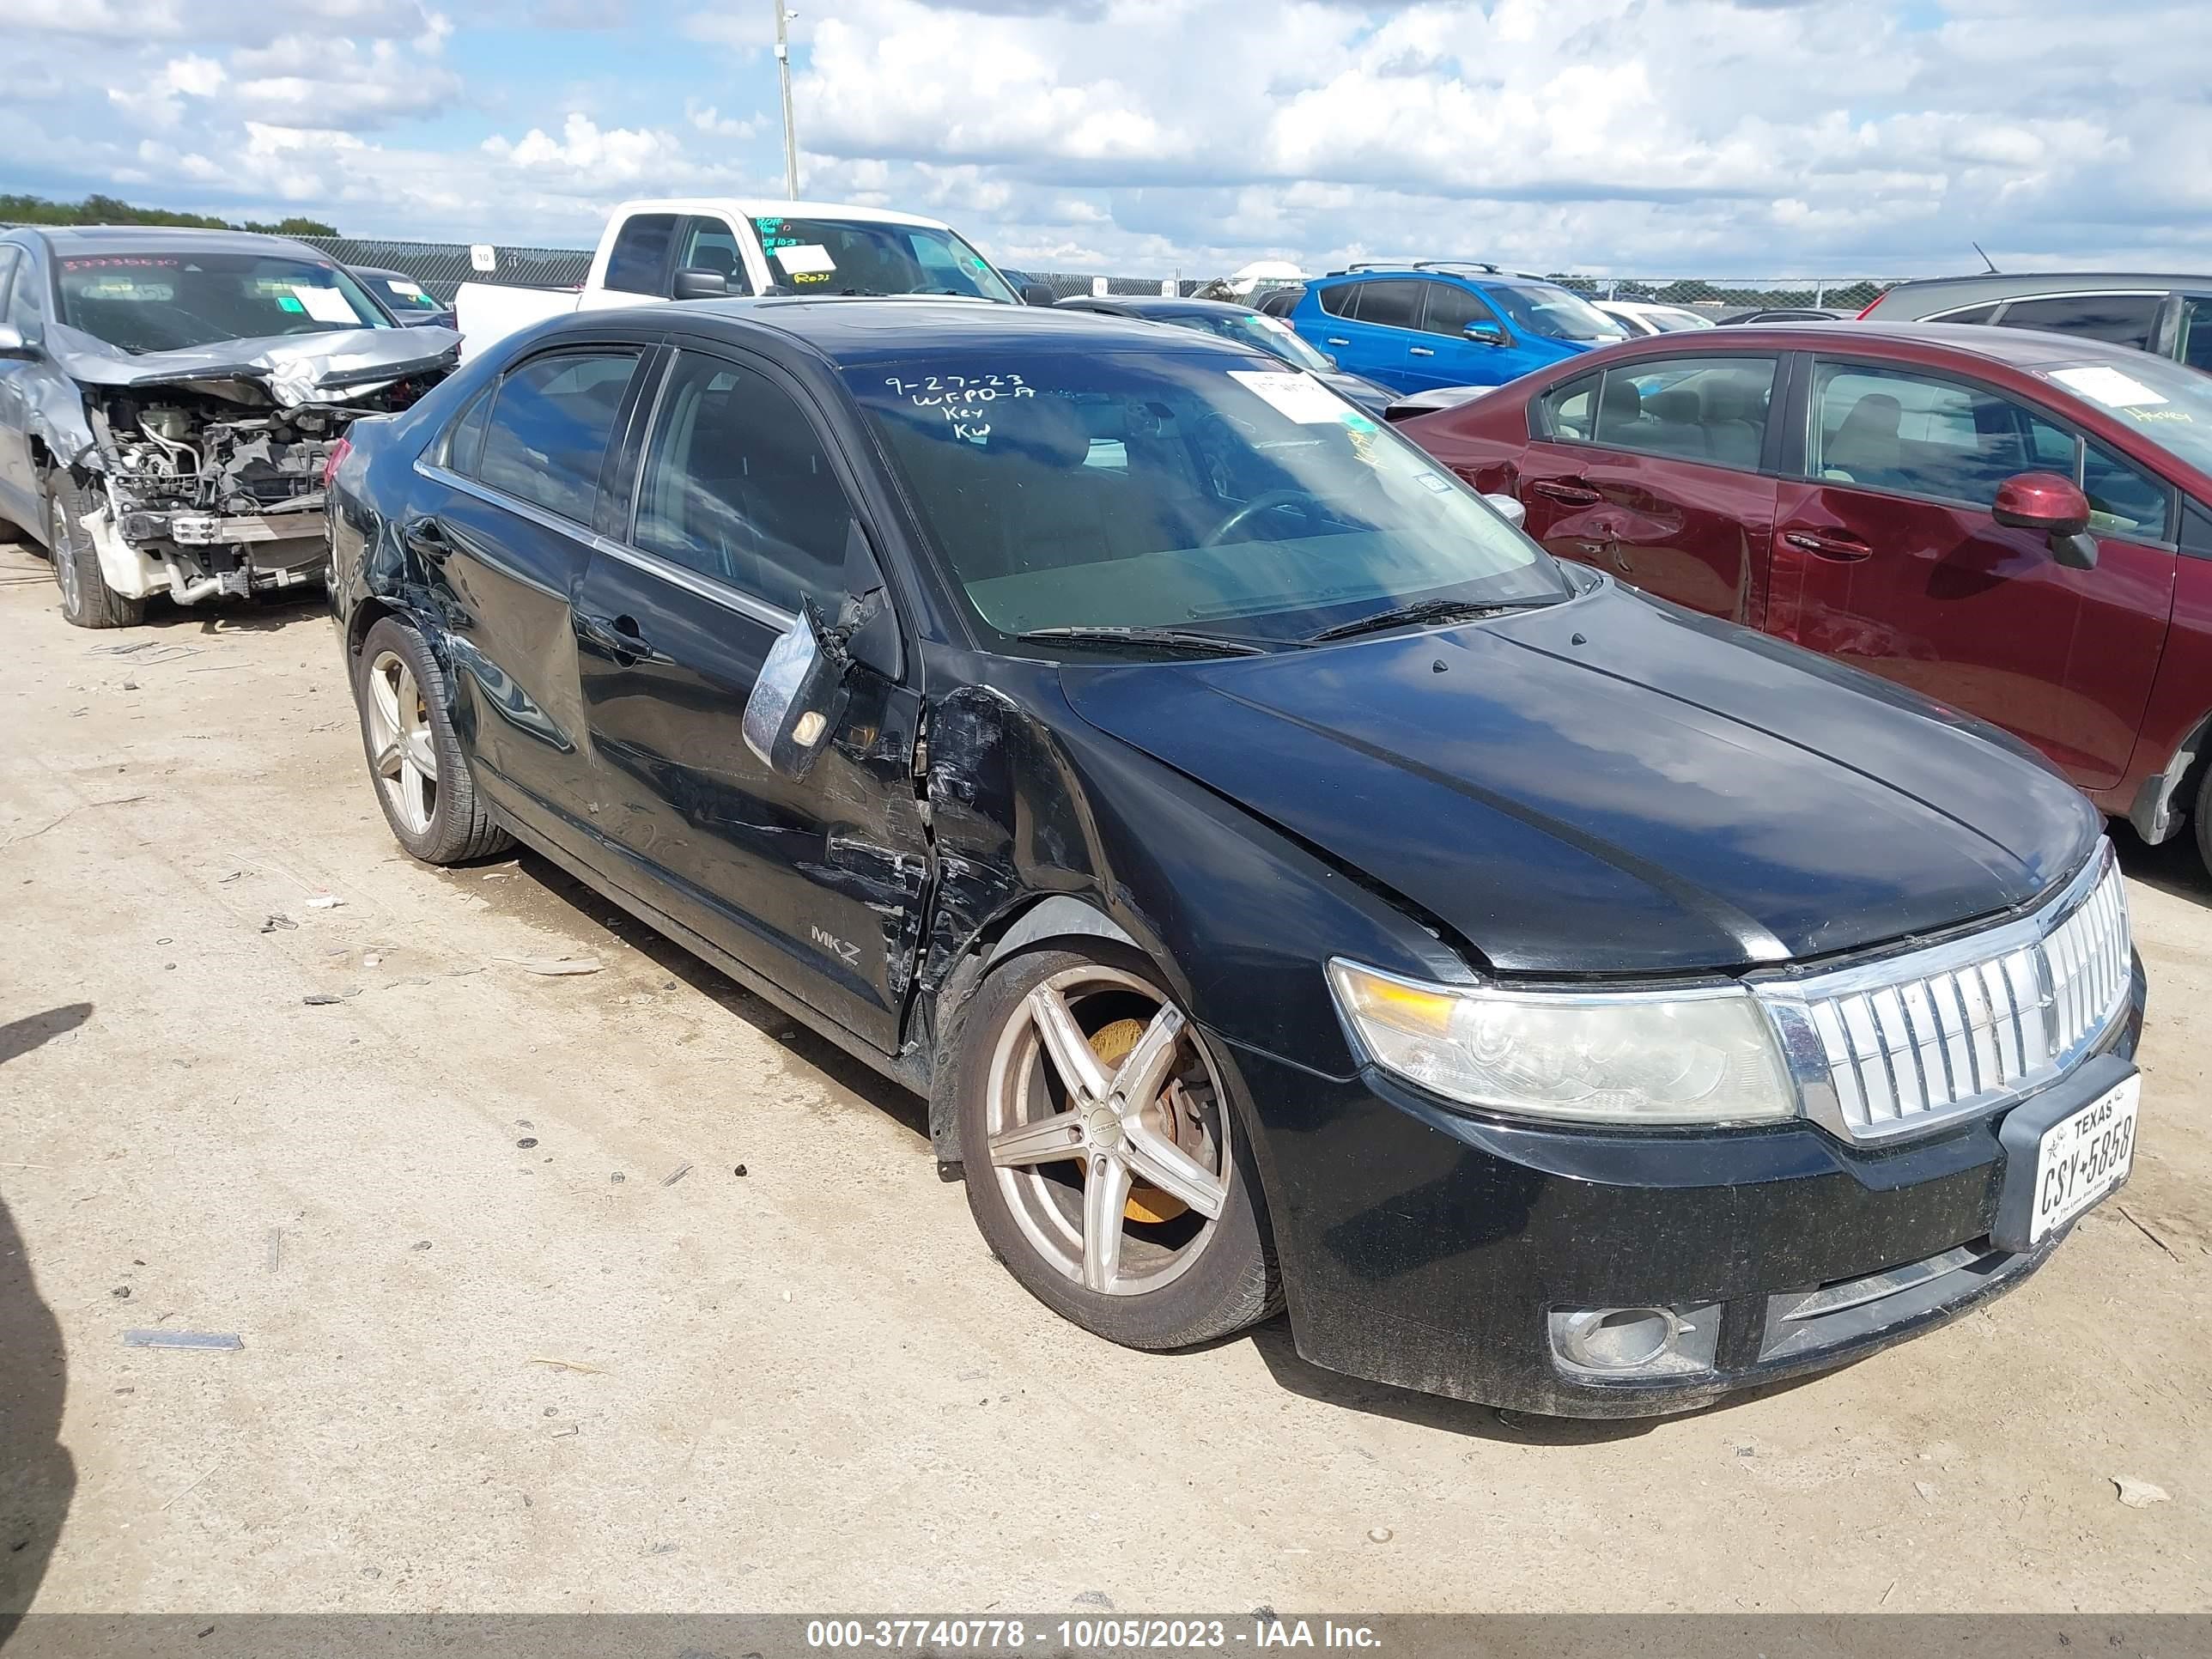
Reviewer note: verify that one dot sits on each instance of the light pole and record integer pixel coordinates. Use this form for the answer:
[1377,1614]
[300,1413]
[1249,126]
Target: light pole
[783,71]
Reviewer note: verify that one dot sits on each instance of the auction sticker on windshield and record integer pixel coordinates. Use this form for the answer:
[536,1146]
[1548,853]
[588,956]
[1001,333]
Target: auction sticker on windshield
[1300,397]
[805,258]
[2109,387]
[2084,1157]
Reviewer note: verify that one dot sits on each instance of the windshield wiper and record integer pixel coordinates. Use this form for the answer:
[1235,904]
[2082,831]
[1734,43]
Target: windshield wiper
[1423,610]
[1154,638]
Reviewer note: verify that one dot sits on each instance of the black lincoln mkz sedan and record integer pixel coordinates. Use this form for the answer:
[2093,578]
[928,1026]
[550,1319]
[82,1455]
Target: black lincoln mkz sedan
[1283,880]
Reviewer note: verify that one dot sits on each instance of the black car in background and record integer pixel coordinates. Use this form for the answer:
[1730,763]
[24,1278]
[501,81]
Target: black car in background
[407,300]
[1246,327]
[1283,880]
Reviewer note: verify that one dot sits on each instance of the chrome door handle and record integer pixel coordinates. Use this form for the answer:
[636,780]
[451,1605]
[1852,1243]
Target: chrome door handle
[1336,339]
[1420,351]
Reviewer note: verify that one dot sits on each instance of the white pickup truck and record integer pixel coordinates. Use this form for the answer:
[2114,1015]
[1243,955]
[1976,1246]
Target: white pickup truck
[704,248]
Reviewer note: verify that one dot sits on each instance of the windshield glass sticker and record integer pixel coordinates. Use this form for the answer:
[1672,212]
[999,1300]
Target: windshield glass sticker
[2109,387]
[806,259]
[1298,397]
[1433,483]
[412,290]
[324,305]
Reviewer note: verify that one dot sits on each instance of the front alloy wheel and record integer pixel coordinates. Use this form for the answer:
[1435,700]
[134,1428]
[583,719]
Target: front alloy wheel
[1103,1162]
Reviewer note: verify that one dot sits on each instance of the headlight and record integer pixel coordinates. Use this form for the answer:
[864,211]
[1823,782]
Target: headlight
[1632,1057]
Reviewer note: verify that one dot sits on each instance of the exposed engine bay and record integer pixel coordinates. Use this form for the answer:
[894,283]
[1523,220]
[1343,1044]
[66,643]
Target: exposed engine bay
[223,500]
[203,468]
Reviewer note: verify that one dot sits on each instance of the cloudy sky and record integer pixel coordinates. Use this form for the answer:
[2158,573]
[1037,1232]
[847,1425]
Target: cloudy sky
[1712,137]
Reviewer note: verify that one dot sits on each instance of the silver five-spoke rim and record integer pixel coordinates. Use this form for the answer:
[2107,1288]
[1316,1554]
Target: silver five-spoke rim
[63,554]
[1107,1132]
[405,758]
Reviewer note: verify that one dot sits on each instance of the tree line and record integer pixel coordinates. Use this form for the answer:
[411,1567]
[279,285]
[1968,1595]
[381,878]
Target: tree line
[109,210]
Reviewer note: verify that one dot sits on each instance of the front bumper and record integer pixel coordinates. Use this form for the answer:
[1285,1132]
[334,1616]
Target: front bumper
[1428,1249]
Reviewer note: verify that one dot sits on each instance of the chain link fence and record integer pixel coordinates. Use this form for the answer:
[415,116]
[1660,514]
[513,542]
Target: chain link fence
[442,267]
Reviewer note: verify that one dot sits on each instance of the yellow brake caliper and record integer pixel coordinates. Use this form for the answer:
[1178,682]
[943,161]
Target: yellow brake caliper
[1112,1043]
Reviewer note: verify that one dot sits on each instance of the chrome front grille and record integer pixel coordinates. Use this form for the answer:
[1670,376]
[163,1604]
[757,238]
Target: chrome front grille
[1896,1046]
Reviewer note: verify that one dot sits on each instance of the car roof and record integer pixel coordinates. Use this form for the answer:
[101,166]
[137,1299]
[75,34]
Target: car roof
[1461,271]
[73,240]
[1153,305]
[1997,285]
[2017,347]
[847,331]
[744,207]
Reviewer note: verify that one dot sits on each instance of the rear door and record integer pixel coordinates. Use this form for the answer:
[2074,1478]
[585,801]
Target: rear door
[501,524]
[1371,328]
[1659,471]
[742,509]
[1887,556]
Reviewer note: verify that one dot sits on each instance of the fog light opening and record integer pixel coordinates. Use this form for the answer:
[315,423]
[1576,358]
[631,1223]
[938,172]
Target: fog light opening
[1618,1338]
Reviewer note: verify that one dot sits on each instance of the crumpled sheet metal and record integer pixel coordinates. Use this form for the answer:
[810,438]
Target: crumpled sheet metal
[297,368]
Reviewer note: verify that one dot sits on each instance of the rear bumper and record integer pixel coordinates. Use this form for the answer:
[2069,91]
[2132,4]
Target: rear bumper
[1429,1250]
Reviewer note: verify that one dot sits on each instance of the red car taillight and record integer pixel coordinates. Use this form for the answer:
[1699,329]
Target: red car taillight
[340,451]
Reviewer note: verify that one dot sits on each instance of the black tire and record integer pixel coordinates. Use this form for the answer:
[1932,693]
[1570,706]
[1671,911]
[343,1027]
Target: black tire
[457,826]
[2201,818]
[86,599]
[1232,1282]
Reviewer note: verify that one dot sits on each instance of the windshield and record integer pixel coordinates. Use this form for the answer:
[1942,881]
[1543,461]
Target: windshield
[1553,311]
[168,301]
[2170,405]
[1277,339]
[1180,490]
[402,294]
[844,256]
[1669,321]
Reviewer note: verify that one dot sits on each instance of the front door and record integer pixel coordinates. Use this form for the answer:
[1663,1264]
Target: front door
[1651,472]
[1447,357]
[1887,556]
[500,520]
[19,500]
[740,513]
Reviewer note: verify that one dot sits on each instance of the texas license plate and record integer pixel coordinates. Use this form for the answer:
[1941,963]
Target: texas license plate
[2083,1157]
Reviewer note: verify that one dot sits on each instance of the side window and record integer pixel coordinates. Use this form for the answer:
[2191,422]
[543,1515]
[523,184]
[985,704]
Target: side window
[1337,300]
[2123,500]
[1971,314]
[1565,411]
[548,430]
[1390,305]
[640,253]
[25,310]
[1694,409]
[737,487]
[1921,434]
[1451,309]
[464,437]
[2123,319]
[712,246]
[2195,346]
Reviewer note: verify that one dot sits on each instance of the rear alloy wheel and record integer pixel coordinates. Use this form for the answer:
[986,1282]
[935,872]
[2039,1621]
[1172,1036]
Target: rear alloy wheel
[423,779]
[1104,1162]
[86,599]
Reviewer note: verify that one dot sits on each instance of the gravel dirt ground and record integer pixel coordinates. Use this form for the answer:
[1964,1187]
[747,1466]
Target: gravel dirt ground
[517,1336]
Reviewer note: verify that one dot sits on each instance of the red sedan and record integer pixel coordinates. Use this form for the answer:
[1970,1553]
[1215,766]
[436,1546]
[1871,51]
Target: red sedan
[2017,523]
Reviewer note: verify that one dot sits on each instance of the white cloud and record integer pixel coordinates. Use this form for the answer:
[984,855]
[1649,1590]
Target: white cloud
[1700,136]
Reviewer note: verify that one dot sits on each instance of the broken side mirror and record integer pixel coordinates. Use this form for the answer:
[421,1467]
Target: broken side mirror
[13,346]
[1507,508]
[699,283]
[2053,505]
[797,699]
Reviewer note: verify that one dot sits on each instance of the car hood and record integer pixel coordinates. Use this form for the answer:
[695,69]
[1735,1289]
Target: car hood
[292,368]
[1613,786]
[1354,389]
